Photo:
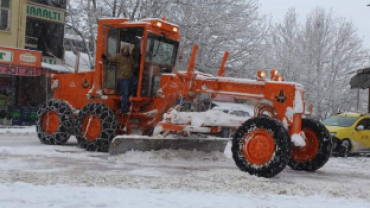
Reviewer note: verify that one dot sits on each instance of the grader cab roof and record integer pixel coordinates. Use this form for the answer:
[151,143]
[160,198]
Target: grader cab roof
[155,25]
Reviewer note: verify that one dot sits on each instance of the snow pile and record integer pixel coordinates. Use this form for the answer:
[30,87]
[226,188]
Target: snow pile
[27,195]
[24,159]
[298,140]
[289,114]
[208,118]
[57,67]
[298,101]
[234,106]
[164,156]
[70,60]
[17,130]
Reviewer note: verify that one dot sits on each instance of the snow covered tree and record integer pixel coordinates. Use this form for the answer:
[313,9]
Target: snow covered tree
[215,25]
[319,54]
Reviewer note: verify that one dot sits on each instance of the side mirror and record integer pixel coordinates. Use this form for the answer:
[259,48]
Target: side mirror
[360,127]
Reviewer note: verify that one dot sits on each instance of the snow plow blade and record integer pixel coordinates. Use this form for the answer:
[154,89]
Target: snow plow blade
[122,144]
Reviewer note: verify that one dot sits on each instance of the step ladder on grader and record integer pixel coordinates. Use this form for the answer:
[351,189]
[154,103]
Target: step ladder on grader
[86,105]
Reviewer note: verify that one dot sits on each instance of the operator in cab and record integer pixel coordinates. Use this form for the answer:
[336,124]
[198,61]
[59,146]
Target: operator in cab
[125,66]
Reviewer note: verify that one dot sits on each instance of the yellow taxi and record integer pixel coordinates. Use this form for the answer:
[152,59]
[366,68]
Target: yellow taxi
[350,133]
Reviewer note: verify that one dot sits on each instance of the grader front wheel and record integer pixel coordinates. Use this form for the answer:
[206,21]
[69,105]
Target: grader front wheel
[97,127]
[261,147]
[317,150]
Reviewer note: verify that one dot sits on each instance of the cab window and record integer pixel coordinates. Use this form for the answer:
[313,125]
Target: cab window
[365,123]
[160,57]
[340,121]
[161,51]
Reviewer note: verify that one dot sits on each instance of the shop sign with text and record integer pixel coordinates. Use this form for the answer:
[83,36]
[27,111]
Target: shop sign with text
[45,13]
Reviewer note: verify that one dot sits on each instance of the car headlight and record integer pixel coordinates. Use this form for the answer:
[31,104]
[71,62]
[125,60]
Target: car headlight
[333,133]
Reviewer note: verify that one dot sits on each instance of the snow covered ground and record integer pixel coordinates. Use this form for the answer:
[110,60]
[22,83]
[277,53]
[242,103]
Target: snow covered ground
[36,175]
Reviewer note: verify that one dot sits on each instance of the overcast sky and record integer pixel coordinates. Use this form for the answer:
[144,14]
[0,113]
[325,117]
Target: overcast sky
[355,10]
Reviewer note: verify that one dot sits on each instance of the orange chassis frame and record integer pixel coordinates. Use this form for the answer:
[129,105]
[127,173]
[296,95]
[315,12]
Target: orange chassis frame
[285,98]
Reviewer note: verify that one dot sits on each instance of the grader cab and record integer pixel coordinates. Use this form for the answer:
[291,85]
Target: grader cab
[86,105]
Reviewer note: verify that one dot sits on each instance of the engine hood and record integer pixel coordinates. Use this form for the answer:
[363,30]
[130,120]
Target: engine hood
[336,128]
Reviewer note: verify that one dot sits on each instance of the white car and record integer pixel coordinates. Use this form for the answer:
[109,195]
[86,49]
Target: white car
[238,109]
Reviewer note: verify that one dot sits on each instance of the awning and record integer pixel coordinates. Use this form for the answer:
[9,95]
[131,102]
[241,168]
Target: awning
[361,79]
[20,62]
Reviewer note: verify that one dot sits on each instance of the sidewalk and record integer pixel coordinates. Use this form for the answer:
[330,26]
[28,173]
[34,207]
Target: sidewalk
[17,129]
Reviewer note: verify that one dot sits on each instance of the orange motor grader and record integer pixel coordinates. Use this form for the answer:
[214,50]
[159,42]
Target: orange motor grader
[86,105]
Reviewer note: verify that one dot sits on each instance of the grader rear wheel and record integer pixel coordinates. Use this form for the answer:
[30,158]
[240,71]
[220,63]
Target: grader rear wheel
[317,150]
[54,123]
[97,127]
[261,147]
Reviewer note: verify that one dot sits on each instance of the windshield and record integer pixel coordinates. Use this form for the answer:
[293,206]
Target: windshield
[340,121]
[161,50]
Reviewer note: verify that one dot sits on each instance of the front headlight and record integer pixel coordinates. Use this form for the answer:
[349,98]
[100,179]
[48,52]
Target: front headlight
[333,133]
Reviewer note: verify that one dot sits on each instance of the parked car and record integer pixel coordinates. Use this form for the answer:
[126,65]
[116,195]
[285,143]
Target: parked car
[350,133]
[240,110]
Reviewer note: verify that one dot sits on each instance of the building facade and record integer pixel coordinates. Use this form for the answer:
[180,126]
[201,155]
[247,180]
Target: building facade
[45,28]
[13,23]
[30,32]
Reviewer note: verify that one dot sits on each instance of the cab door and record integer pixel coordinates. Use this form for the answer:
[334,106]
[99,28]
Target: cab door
[160,57]
[362,133]
[111,48]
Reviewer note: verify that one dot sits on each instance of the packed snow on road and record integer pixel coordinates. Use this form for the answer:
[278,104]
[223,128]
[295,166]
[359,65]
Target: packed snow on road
[36,175]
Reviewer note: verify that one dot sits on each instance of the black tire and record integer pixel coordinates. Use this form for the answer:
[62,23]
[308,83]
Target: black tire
[108,127]
[324,147]
[282,148]
[335,146]
[80,141]
[345,148]
[65,117]
[225,132]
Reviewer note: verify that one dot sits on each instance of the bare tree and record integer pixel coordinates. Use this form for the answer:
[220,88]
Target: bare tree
[319,55]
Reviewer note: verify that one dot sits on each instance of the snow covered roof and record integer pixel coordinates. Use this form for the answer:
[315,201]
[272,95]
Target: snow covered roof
[70,60]
[69,63]
[57,67]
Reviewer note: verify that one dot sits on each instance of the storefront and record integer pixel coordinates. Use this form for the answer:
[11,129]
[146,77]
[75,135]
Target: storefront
[23,85]
[45,29]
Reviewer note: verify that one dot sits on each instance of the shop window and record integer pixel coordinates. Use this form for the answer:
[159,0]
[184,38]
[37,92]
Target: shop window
[5,15]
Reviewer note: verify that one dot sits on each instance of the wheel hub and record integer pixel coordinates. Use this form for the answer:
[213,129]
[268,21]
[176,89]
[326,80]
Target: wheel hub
[258,147]
[91,127]
[310,150]
[50,122]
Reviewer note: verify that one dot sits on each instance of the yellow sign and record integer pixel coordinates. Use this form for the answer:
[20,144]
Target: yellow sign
[45,13]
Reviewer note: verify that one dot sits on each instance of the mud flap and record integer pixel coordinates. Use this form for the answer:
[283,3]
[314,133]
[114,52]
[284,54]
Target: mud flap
[122,144]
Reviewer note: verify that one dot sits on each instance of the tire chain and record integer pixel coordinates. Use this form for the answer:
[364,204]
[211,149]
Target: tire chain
[325,147]
[109,127]
[65,128]
[282,150]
